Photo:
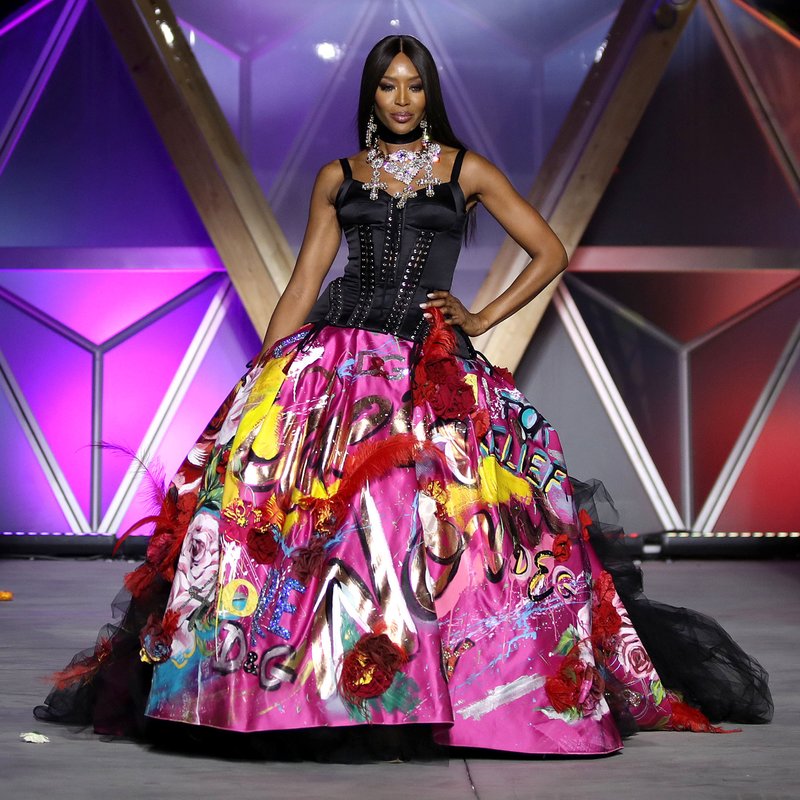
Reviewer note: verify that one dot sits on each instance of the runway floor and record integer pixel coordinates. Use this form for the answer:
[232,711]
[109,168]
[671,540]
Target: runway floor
[59,605]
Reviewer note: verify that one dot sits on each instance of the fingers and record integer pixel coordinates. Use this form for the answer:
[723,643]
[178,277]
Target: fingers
[452,309]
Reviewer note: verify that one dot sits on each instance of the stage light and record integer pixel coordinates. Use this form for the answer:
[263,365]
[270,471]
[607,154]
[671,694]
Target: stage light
[328,51]
[166,32]
[600,50]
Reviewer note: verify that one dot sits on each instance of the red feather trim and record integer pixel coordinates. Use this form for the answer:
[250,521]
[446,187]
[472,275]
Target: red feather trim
[170,623]
[82,671]
[440,341]
[373,460]
[136,525]
[141,580]
[687,718]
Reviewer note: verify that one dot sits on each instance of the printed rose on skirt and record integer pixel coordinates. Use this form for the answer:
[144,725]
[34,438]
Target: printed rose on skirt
[632,655]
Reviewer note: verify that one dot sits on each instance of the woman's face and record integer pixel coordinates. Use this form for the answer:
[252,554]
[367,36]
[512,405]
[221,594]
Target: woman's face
[400,98]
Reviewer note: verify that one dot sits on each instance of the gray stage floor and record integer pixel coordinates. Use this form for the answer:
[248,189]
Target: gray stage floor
[60,605]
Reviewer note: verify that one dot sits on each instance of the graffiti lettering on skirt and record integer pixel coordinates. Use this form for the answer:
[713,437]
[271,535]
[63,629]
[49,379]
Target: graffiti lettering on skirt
[277,590]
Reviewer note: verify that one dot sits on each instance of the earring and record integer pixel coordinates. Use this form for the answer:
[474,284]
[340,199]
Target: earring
[372,129]
[425,135]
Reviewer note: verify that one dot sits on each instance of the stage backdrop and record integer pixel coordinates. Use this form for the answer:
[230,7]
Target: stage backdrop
[669,361]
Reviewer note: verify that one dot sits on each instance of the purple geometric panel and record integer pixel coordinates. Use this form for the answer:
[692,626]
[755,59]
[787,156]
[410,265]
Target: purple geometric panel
[98,303]
[765,498]
[136,376]
[90,168]
[21,40]
[566,65]
[55,377]
[255,25]
[27,502]
[728,373]
[224,363]
[476,112]
[285,122]
[221,69]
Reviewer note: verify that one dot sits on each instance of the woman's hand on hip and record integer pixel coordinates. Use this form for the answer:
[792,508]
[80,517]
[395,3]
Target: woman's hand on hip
[455,313]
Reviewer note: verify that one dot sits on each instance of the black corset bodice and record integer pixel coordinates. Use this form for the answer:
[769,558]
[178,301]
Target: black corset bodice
[396,256]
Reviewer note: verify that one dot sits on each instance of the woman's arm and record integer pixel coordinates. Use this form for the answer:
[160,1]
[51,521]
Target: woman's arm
[480,179]
[320,245]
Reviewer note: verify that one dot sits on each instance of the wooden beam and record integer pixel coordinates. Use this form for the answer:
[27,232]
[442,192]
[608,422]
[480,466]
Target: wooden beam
[578,167]
[205,151]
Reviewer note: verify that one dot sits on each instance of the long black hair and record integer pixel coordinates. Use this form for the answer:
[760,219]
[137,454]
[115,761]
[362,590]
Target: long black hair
[375,67]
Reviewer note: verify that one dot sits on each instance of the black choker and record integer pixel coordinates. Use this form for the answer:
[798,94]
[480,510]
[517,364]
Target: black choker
[388,136]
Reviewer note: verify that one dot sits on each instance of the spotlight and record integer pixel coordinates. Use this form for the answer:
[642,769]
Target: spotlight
[328,51]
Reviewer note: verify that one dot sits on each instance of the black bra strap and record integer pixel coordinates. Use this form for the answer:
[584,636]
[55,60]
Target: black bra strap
[348,173]
[457,165]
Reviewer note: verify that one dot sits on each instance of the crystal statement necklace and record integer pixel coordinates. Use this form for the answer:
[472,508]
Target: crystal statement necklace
[404,166]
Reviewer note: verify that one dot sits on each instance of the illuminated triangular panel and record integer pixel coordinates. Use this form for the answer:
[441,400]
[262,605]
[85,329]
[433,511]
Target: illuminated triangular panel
[136,376]
[26,496]
[89,169]
[687,304]
[765,497]
[694,178]
[98,303]
[728,374]
[22,37]
[234,344]
[222,69]
[554,380]
[55,377]
[773,55]
[646,372]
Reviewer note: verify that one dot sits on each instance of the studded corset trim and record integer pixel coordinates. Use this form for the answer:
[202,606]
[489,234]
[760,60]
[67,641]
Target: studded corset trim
[395,257]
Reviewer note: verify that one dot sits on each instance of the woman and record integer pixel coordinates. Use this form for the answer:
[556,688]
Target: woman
[377,527]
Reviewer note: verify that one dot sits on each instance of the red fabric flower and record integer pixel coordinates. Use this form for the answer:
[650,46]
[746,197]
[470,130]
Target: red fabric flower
[309,561]
[503,374]
[606,621]
[585,521]
[439,378]
[563,689]
[561,692]
[443,371]
[481,423]
[369,668]
[453,401]
[262,546]
[156,637]
[561,547]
